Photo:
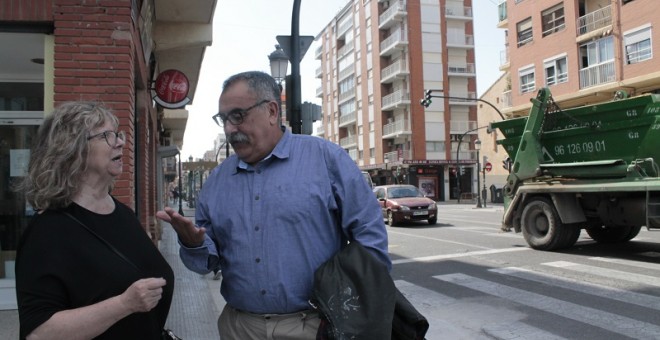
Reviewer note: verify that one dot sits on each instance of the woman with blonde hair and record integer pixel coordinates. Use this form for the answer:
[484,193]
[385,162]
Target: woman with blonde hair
[85,267]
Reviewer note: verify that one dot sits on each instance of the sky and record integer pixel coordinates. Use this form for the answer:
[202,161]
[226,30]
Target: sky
[244,34]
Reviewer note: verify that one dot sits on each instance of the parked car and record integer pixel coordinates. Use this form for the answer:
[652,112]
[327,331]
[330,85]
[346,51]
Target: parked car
[367,178]
[404,202]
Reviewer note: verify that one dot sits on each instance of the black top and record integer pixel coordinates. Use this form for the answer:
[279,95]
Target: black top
[60,265]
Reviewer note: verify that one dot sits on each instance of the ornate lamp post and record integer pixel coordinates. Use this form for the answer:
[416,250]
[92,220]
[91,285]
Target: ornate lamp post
[477,146]
[279,63]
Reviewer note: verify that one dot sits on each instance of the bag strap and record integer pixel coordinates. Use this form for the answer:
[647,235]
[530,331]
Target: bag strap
[103,241]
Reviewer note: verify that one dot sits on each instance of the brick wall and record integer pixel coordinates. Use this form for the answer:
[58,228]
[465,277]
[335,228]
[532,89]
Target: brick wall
[21,10]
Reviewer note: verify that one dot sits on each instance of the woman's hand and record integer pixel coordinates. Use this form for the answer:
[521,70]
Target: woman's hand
[143,295]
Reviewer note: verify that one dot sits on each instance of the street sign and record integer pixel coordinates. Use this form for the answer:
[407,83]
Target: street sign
[285,42]
[488,167]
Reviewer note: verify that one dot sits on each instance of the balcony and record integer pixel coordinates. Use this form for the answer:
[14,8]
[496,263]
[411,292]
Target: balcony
[319,72]
[319,92]
[397,156]
[463,98]
[506,99]
[344,27]
[353,153]
[320,131]
[465,70]
[502,15]
[344,50]
[459,127]
[598,74]
[348,142]
[319,52]
[460,40]
[396,129]
[345,96]
[395,100]
[393,15]
[458,12]
[595,21]
[505,62]
[345,73]
[347,119]
[395,42]
[396,70]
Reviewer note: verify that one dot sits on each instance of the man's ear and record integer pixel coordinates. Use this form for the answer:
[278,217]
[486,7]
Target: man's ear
[273,112]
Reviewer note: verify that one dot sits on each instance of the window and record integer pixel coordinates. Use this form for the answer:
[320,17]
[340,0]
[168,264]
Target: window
[524,29]
[555,71]
[527,80]
[597,52]
[435,146]
[638,45]
[553,19]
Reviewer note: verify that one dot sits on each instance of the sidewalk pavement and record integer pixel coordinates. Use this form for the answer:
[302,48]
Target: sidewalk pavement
[197,303]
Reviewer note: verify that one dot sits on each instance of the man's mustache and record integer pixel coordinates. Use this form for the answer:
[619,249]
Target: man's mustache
[238,137]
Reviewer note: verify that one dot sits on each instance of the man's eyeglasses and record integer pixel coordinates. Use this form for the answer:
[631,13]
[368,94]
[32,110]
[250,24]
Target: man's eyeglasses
[235,116]
[111,137]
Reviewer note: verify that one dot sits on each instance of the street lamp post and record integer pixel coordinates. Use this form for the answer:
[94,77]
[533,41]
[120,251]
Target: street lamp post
[477,146]
[484,192]
[180,189]
[278,64]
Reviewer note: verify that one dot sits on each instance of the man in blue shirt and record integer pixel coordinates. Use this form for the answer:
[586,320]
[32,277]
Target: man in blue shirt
[271,214]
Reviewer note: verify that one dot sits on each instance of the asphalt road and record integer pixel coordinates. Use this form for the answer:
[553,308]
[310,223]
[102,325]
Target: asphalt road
[473,281]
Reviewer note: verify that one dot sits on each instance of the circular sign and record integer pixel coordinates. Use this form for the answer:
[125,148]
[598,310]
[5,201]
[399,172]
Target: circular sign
[488,167]
[171,88]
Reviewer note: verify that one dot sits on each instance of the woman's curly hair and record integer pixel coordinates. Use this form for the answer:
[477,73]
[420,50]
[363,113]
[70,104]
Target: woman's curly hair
[58,159]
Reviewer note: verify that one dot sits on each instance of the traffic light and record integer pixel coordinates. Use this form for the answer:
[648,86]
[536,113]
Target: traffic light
[506,164]
[462,170]
[426,101]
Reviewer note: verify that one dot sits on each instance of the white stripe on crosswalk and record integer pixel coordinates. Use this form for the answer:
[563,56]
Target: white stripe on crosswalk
[638,264]
[611,293]
[605,320]
[610,273]
[451,256]
[446,321]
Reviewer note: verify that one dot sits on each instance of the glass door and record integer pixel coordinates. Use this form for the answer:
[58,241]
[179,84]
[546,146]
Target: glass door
[16,137]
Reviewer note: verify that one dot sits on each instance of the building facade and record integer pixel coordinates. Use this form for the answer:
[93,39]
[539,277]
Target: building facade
[376,60]
[111,52]
[582,50]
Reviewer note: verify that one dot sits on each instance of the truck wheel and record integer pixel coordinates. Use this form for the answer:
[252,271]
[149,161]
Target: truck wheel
[542,227]
[604,234]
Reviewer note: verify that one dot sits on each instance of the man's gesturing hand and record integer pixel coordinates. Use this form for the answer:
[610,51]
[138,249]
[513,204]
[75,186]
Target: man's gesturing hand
[190,235]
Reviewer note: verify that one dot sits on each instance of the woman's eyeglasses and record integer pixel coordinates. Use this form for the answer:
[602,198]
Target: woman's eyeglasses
[235,116]
[111,137]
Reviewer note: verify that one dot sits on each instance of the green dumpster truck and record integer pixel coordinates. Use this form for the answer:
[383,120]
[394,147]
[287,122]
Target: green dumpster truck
[592,167]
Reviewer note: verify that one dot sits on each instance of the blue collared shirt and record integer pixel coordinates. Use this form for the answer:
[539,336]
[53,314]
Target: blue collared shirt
[270,226]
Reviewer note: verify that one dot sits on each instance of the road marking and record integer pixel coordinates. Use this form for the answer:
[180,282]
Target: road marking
[610,273]
[581,286]
[594,317]
[436,239]
[451,256]
[446,317]
[638,264]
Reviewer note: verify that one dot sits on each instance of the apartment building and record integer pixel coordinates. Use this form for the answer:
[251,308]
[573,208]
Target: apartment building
[376,59]
[582,50]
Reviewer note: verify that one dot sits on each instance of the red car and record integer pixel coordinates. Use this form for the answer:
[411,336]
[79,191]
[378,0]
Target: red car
[403,202]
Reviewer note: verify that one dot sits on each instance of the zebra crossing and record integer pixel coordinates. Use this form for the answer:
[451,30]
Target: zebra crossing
[550,300]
